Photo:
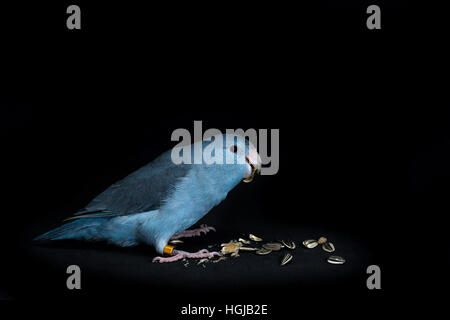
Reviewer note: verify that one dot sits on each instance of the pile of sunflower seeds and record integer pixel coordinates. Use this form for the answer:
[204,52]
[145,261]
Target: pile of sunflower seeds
[259,247]
[326,246]
[234,246]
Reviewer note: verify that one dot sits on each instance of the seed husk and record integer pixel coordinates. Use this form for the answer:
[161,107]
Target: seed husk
[336,260]
[230,247]
[220,259]
[310,243]
[275,246]
[254,238]
[322,240]
[176,241]
[231,243]
[202,261]
[244,241]
[289,244]
[263,251]
[286,259]
[247,249]
[281,243]
[328,247]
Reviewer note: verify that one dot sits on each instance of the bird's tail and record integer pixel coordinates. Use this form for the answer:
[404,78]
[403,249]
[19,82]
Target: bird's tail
[78,229]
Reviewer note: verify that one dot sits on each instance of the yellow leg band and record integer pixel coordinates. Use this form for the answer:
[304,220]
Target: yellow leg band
[168,249]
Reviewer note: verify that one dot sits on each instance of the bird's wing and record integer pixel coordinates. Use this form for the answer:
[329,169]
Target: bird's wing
[141,191]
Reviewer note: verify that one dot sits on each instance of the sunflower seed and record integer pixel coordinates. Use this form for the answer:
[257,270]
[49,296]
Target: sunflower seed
[275,246]
[286,259]
[263,251]
[254,238]
[310,244]
[289,244]
[328,247]
[281,243]
[322,240]
[235,254]
[244,241]
[176,241]
[220,259]
[336,260]
[247,249]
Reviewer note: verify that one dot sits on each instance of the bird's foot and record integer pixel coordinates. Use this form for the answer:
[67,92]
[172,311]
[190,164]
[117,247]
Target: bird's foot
[178,255]
[193,233]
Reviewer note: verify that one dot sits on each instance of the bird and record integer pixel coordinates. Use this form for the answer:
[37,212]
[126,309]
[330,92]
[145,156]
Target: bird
[161,200]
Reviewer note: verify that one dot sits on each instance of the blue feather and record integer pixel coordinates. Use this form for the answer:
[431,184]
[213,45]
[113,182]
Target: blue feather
[155,202]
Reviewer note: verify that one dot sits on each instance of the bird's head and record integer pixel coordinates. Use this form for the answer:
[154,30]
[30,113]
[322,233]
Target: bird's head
[243,153]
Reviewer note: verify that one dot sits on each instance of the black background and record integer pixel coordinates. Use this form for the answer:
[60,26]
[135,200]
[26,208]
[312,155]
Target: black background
[363,150]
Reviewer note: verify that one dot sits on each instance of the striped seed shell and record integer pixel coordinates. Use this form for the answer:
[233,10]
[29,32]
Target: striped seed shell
[286,259]
[275,246]
[289,244]
[244,241]
[328,247]
[254,238]
[336,260]
[263,251]
[310,243]
[247,249]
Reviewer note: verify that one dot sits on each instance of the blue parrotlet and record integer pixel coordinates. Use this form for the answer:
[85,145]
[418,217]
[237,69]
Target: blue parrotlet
[161,200]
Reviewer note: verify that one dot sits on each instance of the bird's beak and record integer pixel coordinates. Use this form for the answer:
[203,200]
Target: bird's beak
[254,160]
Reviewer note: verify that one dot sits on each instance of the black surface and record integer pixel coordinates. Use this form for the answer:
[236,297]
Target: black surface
[363,149]
[354,189]
[249,271]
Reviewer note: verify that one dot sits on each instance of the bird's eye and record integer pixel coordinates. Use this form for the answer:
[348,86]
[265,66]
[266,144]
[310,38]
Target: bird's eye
[233,149]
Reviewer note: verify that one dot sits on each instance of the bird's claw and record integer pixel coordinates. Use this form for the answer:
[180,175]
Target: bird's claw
[194,232]
[204,253]
[205,229]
